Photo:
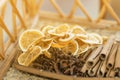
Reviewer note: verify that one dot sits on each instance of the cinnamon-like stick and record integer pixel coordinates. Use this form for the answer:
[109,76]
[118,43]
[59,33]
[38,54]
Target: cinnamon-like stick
[112,73]
[111,59]
[91,60]
[107,72]
[102,70]
[87,54]
[106,49]
[84,68]
[94,56]
[98,72]
[94,69]
[117,60]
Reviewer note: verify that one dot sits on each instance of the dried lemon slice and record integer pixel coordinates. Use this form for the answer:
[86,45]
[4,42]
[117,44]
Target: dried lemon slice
[61,42]
[83,47]
[43,43]
[82,36]
[67,38]
[99,38]
[22,57]
[78,30]
[72,47]
[29,56]
[59,30]
[63,28]
[91,39]
[27,37]
[46,29]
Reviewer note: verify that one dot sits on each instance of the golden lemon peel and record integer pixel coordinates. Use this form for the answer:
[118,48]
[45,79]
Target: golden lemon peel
[43,43]
[99,38]
[29,56]
[63,28]
[46,29]
[23,56]
[27,37]
[93,39]
[62,41]
[60,30]
[78,30]
[83,47]
[67,38]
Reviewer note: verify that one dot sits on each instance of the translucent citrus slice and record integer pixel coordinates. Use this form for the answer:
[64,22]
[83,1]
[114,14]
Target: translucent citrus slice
[78,30]
[67,38]
[46,29]
[91,39]
[52,32]
[27,37]
[60,44]
[23,56]
[80,42]
[99,38]
[29,56]
[82,36]
[63,28]
[60,30]
[43,43]
[83,47]
[72,47]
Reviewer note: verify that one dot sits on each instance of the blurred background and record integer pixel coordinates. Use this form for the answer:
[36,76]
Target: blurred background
[92,7]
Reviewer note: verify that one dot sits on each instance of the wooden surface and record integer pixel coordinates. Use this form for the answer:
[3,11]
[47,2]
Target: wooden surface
[8,61]
[55,76]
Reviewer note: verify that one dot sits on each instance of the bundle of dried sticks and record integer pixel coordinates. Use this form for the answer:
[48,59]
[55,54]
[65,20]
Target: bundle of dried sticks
[103,61]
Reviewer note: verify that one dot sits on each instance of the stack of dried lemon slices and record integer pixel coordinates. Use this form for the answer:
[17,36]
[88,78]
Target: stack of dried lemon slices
[73,39]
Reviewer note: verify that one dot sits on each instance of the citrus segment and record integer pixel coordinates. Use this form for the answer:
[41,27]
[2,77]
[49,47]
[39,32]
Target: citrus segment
[27,37]
[29,56]
[43,43]
[91,39]
[46,29]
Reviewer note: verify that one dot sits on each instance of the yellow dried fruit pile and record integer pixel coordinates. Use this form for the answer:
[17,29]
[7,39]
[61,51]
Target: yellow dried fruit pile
[73,39]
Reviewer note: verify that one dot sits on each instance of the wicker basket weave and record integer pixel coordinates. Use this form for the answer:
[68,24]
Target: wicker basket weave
[31,13]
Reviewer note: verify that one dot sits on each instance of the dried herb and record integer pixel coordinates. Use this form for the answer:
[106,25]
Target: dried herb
[60,63]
